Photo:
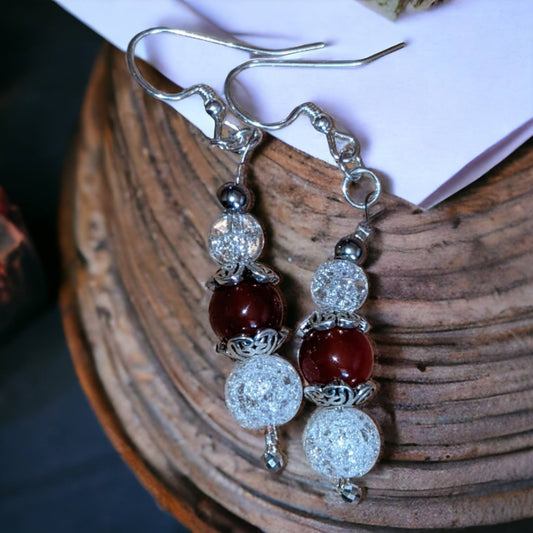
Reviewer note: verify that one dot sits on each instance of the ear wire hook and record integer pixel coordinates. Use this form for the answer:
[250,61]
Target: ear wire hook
[308,108]
[205,91]
[240,140]
[344,147]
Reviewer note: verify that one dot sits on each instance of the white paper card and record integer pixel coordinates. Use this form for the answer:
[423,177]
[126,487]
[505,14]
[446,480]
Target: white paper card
[431,118]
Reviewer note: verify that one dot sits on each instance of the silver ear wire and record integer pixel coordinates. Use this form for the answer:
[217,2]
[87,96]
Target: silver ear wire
[239,140]
[200,89]
[307,108]
[263,391]
[344,147]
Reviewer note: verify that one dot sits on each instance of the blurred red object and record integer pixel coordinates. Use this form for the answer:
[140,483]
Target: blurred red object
[22,286]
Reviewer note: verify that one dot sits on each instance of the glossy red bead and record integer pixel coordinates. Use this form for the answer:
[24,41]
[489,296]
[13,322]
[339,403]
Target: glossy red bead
[336,354]
[244,308]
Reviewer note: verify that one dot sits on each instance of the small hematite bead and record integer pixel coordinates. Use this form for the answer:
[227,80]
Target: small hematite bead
[352,249]
[236,238]
[263,391]
[339,285]
[341,442]
[235,197]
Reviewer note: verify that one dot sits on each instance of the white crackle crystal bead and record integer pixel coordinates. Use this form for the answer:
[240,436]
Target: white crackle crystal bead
[263,391]
[339,285]
[236,238]
[341,442]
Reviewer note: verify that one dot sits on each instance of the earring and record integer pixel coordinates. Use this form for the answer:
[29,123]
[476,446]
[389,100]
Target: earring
[247,313]
[247,309]
[336,357]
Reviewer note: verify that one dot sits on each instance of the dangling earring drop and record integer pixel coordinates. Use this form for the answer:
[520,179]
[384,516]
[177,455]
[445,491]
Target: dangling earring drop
[247,309]
[336,357]
[247,312]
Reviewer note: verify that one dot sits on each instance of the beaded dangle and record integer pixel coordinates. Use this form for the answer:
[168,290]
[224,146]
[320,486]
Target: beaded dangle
[247,312]
[336,358]
[247,309]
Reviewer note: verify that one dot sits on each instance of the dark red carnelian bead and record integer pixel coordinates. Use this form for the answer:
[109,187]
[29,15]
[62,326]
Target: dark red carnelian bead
[244,308]
[337,353]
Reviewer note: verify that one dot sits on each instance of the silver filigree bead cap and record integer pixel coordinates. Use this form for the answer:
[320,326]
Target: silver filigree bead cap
[341,442]
[263,391]
[339,285]
[236,238]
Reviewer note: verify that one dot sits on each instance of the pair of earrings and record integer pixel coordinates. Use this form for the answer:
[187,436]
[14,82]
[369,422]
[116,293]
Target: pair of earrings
[247,309]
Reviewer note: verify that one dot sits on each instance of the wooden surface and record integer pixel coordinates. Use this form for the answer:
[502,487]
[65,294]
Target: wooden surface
[451,303]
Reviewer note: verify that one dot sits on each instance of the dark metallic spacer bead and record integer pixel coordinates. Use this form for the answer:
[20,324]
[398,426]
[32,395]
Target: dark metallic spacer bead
[235,198]
[351,248]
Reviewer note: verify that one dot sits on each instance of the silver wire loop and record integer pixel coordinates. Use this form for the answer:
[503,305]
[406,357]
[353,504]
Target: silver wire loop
[353,178]
[252,137]
[344,147]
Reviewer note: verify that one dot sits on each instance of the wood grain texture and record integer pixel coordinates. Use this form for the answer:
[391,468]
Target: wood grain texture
[451,302]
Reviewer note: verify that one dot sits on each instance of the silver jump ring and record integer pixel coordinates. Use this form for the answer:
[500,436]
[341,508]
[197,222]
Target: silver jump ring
[354,177]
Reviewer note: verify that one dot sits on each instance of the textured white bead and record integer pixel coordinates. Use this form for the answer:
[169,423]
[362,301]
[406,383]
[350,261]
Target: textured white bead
[236,238]
[263,391]
[339,285]
[341,442]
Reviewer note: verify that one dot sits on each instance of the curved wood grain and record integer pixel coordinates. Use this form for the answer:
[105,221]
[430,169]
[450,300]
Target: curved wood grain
[451,303]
